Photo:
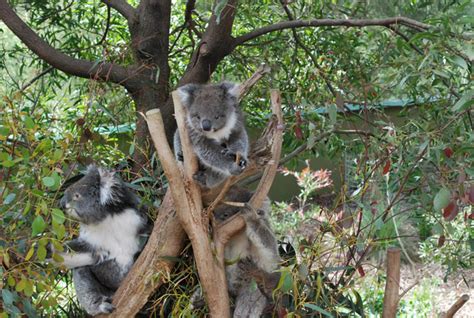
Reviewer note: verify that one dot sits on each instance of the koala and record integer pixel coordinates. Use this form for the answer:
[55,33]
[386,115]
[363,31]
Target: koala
[109,236]
[253,250]
[216,129]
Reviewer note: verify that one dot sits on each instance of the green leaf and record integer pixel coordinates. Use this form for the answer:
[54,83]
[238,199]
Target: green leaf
[332,111]
[464,102]
[58,216]
[9,199]
[48,181]
[4,131]
[460,62]
[29,123]
[286,282]
[318,309]
[8,297]
[21,285]
[441,200]
[41,253]
[38,225]
[58,154]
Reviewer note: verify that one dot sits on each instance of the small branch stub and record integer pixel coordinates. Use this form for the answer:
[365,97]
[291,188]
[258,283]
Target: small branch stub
[456,306]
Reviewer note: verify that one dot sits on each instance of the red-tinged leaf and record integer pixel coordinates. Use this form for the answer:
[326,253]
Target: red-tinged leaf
[282,313]
[470,195]
[441,241]
[386,168]
[448,152]
[471,216]
[450,211]
[361,271]
[298,132]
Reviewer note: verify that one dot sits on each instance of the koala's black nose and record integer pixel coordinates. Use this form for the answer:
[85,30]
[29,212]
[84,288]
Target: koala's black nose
[206,124]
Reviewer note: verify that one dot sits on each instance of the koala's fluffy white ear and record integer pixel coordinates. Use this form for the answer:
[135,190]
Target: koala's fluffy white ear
[231,88]
[107,182]
[186,93]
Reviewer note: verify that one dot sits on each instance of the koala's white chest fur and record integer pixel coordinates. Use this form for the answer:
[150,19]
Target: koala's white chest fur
[116,235]
[224,133]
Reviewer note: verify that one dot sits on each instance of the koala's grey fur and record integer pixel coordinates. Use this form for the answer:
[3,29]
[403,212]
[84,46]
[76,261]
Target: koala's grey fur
[256,247]
[216,129]
[109,236]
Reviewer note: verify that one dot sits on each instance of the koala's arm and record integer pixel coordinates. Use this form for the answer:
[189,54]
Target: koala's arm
[239,142]
[80,253]
[216,156]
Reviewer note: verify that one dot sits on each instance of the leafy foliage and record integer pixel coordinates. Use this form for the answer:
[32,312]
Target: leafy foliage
[405,165]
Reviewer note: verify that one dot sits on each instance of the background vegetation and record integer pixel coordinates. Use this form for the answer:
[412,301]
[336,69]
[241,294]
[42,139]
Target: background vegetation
[405,177]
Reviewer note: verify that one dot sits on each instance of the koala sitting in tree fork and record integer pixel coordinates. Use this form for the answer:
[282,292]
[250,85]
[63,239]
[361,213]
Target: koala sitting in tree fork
[109,236]
[216,129]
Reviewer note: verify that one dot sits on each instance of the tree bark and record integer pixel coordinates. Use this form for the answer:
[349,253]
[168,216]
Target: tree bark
[392,286]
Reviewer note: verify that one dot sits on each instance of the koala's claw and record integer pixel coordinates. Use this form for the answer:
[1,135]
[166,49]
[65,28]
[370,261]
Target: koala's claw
[243,163]
[104,305]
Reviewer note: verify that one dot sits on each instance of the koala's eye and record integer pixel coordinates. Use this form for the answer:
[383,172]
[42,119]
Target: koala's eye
[197,116]
[76,196]
[217,117]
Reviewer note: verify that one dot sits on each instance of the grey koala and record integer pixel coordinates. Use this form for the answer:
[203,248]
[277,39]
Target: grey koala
[109,236]
[216,129]
[252,250]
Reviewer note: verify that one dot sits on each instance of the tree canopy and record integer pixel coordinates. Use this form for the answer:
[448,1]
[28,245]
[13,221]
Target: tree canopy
[77,74]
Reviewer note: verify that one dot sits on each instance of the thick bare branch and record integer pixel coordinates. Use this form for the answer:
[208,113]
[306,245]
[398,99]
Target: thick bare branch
[82,68]
[123,7]
[331,23]
[216,44]
[189,208]
[392,285]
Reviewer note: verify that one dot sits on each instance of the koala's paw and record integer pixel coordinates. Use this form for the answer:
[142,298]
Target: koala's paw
[201,178]
[238,167]
[229,153]
[104,305]
[246,265]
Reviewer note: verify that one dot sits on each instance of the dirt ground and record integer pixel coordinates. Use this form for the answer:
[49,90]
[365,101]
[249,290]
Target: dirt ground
[446,294]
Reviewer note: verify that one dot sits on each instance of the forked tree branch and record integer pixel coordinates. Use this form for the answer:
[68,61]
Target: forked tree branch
[78,67]
[188,204]
[123,7]
[331,23]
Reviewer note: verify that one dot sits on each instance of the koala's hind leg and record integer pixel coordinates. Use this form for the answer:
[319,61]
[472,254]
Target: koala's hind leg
[249,303]
[208,177]
[93,297]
